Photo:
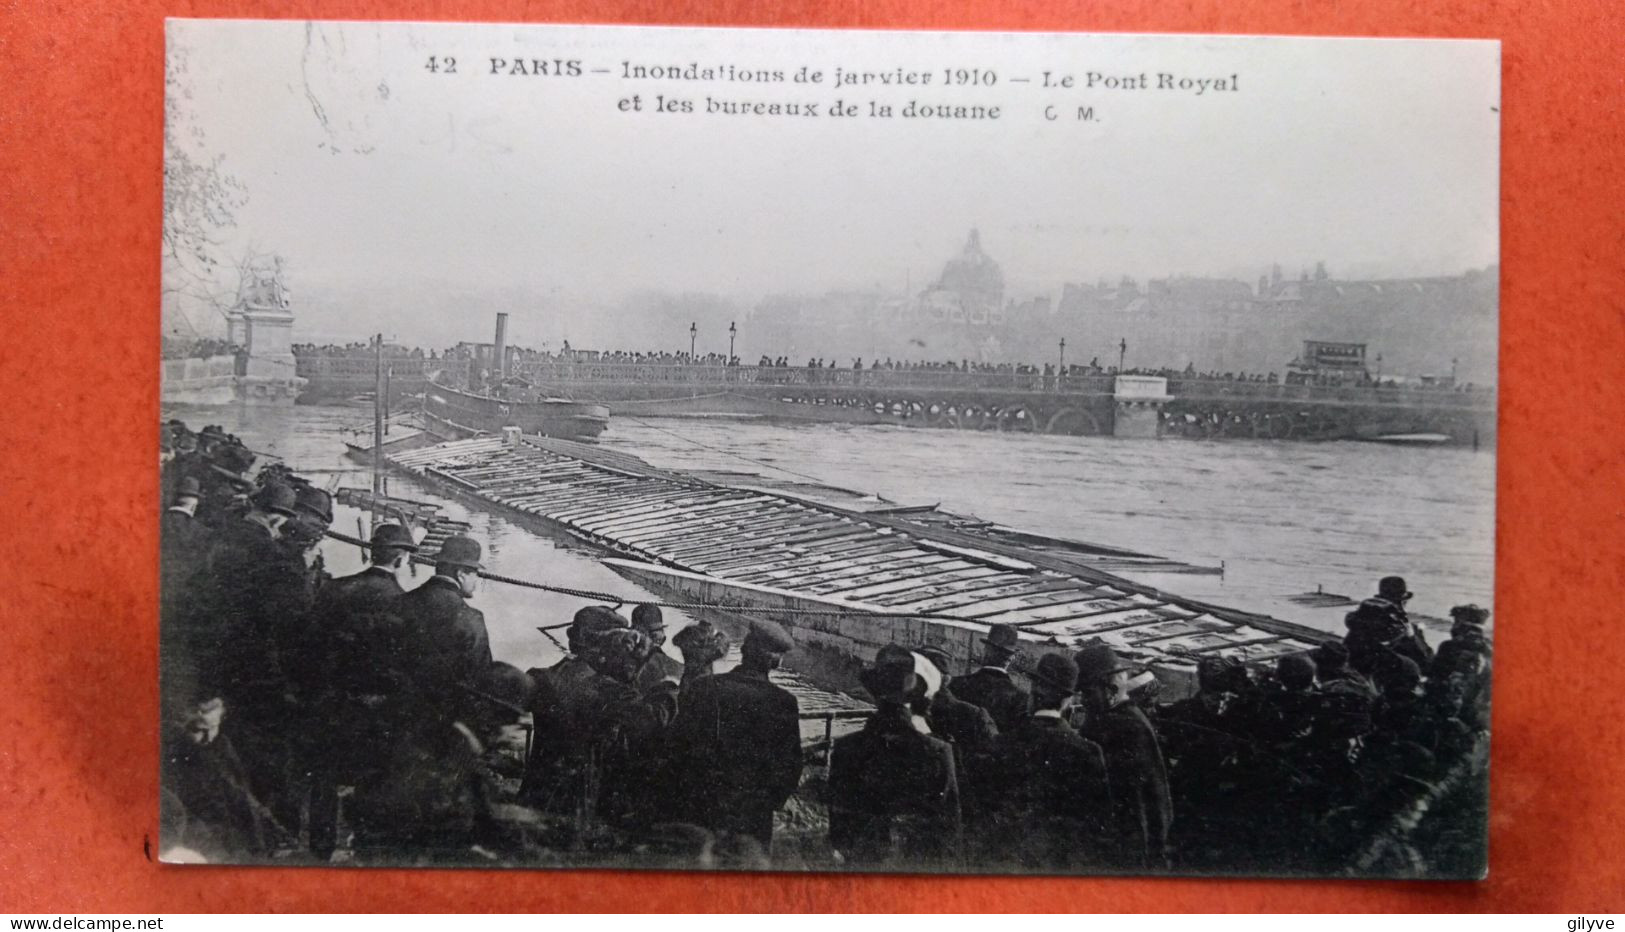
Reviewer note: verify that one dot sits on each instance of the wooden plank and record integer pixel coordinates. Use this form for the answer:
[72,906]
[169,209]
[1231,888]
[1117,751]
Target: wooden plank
[720,521]
[940,574]
[956,597]
[1101,623]
[767,526]
[644,502]
[825,550]
[595,501]
[906,600]
[684,509]
[756,537]
[744,509]
[901,601]
[551,491]
[1068,611]
[842,568]
[855,572]
[1078,590]
[561,496]
[1028,586]
[657,505]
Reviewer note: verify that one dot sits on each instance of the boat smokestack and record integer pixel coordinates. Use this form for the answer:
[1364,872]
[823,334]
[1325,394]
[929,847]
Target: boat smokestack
[499,349]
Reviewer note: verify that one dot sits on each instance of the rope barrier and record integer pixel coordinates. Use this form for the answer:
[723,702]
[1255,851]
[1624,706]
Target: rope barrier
[619,600]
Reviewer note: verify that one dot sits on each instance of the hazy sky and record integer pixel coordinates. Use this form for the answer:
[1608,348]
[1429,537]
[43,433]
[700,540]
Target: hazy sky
[363,167]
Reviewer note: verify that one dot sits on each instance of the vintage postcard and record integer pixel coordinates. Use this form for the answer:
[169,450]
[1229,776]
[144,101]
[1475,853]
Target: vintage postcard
[827,450]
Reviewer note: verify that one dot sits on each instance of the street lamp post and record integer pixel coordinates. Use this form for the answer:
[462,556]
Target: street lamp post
[1061,366]
[1453,362]
[1122,351]
[731,331]
[693,333]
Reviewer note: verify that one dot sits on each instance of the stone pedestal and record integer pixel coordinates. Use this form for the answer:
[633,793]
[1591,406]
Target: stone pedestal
[267,375]
[1137,402]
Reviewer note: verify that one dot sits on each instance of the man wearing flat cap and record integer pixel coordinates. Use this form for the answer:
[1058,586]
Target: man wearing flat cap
[991,686]
[893,791]
[736,742]
[1049,800]
[1142,808]
[446,637]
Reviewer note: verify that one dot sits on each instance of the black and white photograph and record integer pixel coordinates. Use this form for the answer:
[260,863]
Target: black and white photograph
[835,451]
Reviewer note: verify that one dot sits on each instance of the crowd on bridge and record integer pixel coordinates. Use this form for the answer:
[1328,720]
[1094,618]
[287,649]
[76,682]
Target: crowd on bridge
[876,371]
[319,718]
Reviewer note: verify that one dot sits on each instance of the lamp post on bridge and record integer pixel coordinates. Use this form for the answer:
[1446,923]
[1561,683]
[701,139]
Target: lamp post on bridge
[1122,351]
[693,333]
[1061,366]
[1453,362]
[731,331]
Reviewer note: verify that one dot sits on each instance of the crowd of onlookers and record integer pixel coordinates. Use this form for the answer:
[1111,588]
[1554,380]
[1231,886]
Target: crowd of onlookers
[320,718]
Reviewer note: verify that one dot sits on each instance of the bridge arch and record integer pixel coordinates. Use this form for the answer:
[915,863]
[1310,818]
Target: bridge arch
[1073,421]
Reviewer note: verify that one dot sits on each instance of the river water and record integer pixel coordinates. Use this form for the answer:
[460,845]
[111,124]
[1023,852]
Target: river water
[1281,518]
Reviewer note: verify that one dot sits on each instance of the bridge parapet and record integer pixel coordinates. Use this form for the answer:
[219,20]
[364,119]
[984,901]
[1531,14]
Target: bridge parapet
[955,380]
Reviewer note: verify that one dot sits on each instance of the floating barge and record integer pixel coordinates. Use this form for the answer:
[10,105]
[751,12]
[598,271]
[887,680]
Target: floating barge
[850,577]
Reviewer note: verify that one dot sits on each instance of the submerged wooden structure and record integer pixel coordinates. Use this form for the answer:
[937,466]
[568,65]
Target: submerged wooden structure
[850,575]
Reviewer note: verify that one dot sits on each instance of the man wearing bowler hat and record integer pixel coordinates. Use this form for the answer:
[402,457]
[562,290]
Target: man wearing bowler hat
[1142,808]
[1380,626]
[736,742]
[893,791]
[991,686]
[1052,800]
[659,667]
[447,640]
[181,537]
[341,623]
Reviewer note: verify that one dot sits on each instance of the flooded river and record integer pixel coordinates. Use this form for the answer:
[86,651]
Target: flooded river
[1281,518]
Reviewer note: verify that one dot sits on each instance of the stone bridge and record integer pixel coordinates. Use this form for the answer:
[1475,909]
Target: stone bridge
[1004,400]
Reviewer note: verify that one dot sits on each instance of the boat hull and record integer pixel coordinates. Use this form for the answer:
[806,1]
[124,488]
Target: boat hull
[457,414]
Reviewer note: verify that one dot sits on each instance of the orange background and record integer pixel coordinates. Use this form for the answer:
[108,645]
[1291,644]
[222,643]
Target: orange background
[80,175]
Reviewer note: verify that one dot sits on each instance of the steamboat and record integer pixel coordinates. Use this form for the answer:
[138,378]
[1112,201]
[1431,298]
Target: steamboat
[494,401]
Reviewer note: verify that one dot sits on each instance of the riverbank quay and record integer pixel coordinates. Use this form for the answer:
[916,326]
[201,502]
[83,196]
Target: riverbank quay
[800,836]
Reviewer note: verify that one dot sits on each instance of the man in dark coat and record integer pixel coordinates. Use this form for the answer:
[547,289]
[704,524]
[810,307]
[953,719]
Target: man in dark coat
[893,793]
[567,705]
[660,667]
[181,538]
[204,776]
[1053,801]
[990,686]
[434,798]
[1380,625]
[736,743]
[447,640]
[1142,809]
[338,671]
[969,728]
